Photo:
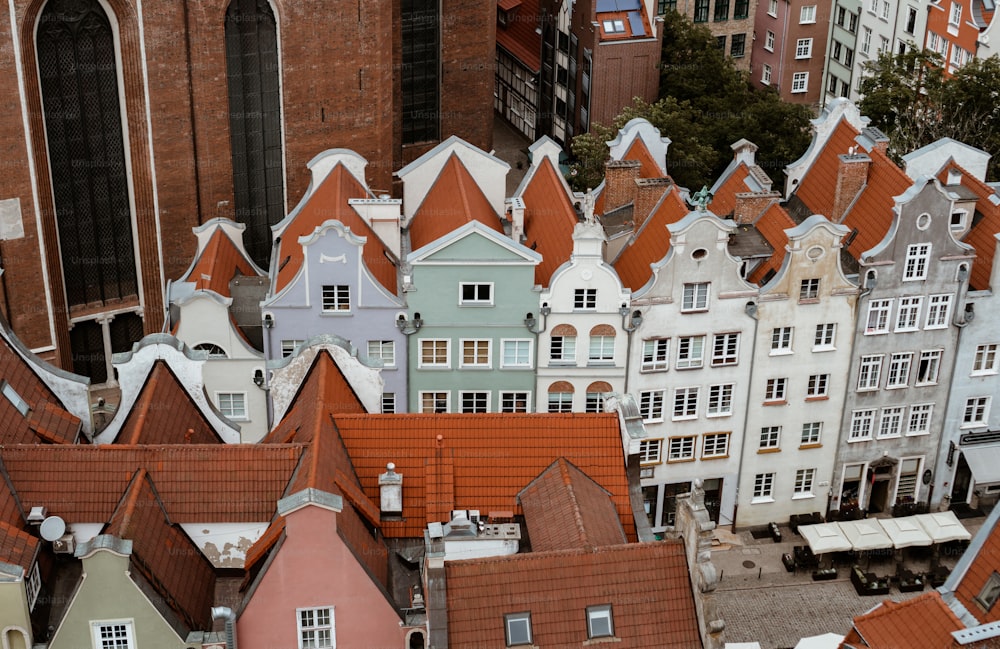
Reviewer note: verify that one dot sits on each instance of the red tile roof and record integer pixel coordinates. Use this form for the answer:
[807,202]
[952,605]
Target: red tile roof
[872,214]
[557,587]
[164,413]
[518,36]
[481,461]
[817,187]
[651,243]
[984,563]
[197,483]
[628,33]
[164,555]
[924,621]
[724,199]
[549,220]
[772,225]
[218,263]
[565,509]
[17,546]
[980,236]
[48,421]
[330,201]
[453,200]
[638,150]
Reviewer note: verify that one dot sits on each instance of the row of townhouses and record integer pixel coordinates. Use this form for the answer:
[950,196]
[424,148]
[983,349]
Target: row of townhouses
[562,66]
[828,350]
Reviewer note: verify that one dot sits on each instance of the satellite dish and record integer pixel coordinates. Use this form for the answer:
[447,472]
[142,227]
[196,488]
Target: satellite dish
[52,528]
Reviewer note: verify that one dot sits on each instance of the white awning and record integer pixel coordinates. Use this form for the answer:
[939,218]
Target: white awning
[825,537]
[984,462]
[943,527]
[905,532]
[825,641]
[865,534]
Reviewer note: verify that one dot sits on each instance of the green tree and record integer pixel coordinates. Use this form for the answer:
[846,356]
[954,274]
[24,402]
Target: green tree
[705,105]
[908,97]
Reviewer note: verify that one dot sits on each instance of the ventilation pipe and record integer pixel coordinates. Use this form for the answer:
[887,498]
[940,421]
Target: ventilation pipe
[230,617]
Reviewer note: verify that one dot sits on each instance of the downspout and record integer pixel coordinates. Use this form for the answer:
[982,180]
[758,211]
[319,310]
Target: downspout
[751,310]
[630,325]
[230,617]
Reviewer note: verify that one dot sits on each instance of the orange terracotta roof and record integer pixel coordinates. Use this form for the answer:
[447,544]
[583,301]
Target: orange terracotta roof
[218,263]
[454,200]
[817,187]
[565,509]
[330,202]
[164,413]
[872,214]
[263,545]
[10,509]
[651,242]
[983,564]
[724,199]
[924,621]
[639,151]
[52,424]
[518,36]
[16,428]
[17,547]
[772,225]
[197,483]
[164,555]
[629,32]
[549,220]
[474,465]
[557,587]
[980,236]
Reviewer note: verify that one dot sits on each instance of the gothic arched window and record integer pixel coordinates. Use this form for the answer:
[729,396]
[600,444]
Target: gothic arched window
[255,122]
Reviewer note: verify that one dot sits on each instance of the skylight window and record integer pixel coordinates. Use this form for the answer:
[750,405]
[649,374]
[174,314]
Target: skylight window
[614,26]
[14,398]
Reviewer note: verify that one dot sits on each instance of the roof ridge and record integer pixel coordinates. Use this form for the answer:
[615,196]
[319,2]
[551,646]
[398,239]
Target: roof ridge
[128,502]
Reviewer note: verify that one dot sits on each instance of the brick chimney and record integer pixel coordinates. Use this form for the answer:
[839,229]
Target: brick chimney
[852,175]
[749,205]
[876,139]
[619,182]
[648,192]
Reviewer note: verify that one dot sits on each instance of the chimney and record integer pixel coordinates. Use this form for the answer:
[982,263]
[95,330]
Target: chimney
[749,205]
[875,139]
[516,212]
[852,175]
[619,188]
[954,176]
[744,151]
[390,486]
[648,192]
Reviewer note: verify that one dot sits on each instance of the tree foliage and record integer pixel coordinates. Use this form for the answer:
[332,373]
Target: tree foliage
[705,105]
[909,98]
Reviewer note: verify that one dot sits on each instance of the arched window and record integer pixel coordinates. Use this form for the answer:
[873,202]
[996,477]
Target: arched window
[596,393]
[255,122]
[602,343]
[561,397]
[78,70]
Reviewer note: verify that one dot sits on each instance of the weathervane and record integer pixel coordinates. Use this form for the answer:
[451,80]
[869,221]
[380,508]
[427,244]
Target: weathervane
[702,198]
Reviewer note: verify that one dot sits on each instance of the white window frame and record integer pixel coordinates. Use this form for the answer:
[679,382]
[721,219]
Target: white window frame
[807,15]
[933,359]
[825,338]
[911,478]
[772,8]
[686,358]
[383,350]
[601,348]
[476,299]
[808,288]
[976,412]
[908,315]
[918,257]
[522,618]
[97,626]
[765,75]
[477,344]
[885,9]
[898,373]
[781,340]
[730,349]
[336,298]
[877,320]
[986,360]
[800,82]
[513,397]
[769,46]
[567,350]
[14,398]
[594,401]
[720,400]
[695,297]
[770,437]
[938,311]
[955,15]
[435,364]
[600,613]
[289,345]
[775,390]
[563,402]
[302,630]
[763,488]
[714,445]
[585,299]
[435,395]
[655,355]
[804,480]
[685,403]
[862,425]
[651,405]
[651,451]
[866,40]
[681,448]
[870,372]
[818,386]
[388,403]
[918,422]
[506,343]
[890,422]
[229,410]
[812,433]
[32,585]
[803,48]
[480,404]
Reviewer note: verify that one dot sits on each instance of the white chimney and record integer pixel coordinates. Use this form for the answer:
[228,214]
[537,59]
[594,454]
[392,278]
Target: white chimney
[390,486]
